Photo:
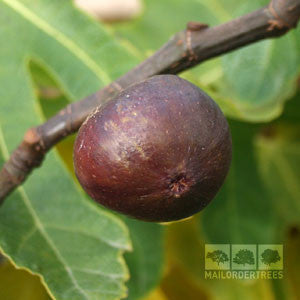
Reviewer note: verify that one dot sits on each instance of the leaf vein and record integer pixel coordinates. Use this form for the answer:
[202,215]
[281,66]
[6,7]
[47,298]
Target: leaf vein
[60,37]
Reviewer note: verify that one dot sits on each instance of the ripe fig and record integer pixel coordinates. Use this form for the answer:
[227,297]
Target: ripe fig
[159,151]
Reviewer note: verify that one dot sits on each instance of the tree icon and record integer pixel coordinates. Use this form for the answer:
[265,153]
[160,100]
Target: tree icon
[270,256]
[217,256]
[244,256]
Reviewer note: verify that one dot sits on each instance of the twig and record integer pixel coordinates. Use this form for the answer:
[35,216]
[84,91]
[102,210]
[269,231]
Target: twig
[195,44]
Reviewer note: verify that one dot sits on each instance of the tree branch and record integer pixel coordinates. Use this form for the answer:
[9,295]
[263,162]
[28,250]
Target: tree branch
[195,44]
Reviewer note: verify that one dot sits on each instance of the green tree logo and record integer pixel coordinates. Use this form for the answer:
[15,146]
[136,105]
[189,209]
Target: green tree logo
[270,256]
[218,256]
[243,257]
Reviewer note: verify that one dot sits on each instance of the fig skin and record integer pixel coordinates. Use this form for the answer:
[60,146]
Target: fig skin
[158,152]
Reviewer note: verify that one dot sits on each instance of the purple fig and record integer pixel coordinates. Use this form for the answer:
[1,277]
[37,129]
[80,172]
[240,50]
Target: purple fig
[159,151]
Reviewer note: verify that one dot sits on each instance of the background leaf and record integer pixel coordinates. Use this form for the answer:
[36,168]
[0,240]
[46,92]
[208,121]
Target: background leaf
[258,78]
[47,225]
[278,150]
[251,83]
[146,261]
[242,210]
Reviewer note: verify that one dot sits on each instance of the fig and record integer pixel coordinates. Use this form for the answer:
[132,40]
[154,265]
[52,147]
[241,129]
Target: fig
[159,151]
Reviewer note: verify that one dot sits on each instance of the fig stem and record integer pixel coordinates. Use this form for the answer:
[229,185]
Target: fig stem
[184,50]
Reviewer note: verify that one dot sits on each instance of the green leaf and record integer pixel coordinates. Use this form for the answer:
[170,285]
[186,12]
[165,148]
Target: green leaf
[291,113]
[242,210]
[152,29]
[251,83]
[146,261]
[278,149]
[258,78]
[47,226]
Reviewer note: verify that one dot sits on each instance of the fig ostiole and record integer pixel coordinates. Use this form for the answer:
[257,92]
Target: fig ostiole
[159,151]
